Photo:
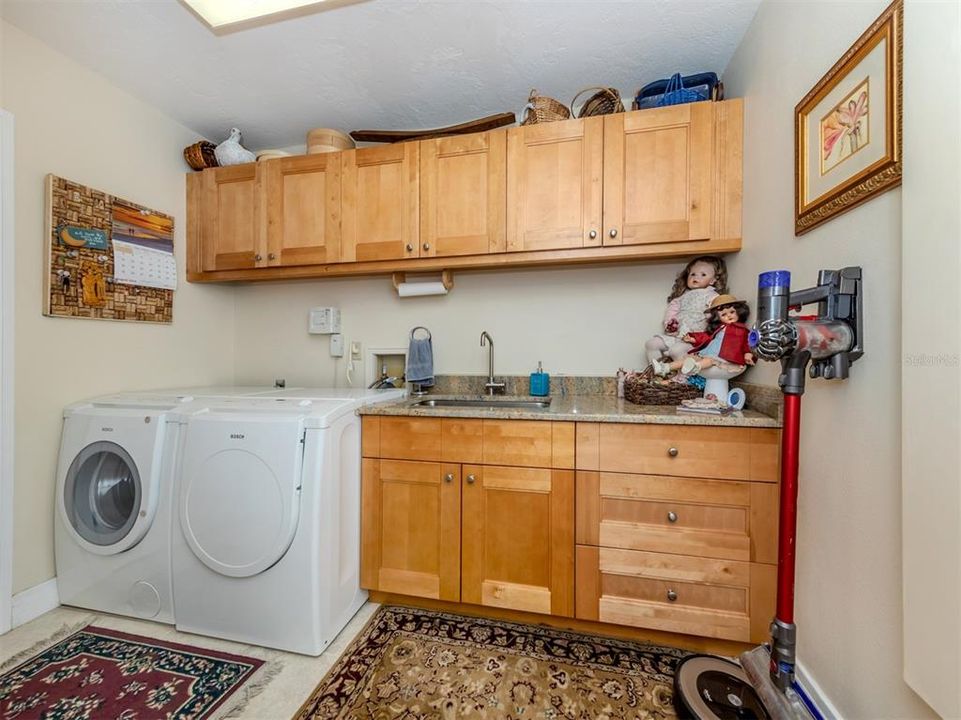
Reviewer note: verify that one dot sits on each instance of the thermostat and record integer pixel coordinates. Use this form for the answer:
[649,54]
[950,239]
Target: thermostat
[323,320]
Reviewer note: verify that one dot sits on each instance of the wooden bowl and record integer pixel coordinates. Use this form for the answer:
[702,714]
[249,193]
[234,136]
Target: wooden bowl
[322,140]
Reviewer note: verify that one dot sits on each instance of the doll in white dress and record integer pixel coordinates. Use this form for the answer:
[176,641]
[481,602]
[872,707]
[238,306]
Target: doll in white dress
[702,280]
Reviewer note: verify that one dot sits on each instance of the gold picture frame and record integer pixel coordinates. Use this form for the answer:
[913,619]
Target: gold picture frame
[847,129]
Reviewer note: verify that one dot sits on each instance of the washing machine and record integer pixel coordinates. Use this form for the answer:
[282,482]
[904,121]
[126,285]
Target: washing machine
[266,548]
[113,514]
[113,505]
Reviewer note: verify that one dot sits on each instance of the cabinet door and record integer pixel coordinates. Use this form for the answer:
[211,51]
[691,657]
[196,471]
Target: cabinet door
[658,175]
[463,195]
[303,209]
[410,528]
[554,184]
[232,233]
[380,211]
[518,551]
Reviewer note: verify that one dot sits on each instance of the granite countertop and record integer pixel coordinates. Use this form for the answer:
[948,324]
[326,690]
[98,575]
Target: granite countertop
[581,408]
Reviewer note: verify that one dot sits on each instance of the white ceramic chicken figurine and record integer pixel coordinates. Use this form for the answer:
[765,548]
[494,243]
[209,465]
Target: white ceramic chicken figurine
[231,152]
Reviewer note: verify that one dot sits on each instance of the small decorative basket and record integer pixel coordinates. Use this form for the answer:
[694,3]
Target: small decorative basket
[542,109]
[605,101]
[644,389]
[201,155]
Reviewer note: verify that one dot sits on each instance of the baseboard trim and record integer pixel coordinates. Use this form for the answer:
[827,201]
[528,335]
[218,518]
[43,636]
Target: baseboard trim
[814,691]
[34,602]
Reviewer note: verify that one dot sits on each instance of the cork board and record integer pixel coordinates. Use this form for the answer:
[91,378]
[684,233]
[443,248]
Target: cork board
[82,225]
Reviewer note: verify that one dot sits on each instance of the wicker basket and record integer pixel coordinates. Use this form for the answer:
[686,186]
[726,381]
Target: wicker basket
[605,101]
[201,155]
[542,109]
[644,389]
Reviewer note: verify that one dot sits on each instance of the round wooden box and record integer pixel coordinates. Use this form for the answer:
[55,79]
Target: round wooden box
[322,140]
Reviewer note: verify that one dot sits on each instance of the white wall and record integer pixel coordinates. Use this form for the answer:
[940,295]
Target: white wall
[931,344]
[71,122]
[849,532]
[578,321]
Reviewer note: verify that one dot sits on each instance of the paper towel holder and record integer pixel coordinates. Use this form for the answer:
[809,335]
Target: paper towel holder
[410,288]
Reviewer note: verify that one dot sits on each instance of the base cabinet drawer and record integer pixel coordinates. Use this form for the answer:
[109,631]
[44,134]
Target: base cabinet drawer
[726,599]
[723,519]
[729,453]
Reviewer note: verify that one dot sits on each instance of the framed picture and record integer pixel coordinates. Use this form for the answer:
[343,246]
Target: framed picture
[847,129]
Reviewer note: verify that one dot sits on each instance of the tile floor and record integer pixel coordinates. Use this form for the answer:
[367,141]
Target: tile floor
[279,700]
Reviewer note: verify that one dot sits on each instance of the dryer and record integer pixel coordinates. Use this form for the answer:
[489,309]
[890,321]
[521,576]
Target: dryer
[266,548]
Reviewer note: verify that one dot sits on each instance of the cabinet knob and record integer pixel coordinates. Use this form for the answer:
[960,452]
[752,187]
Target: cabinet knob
[410,248]
[426,246]
[672,516]
[271,256]
[671,595]
[592,234]
[471,479]
[672,452]
[258,257]
[449,477]
[613,232]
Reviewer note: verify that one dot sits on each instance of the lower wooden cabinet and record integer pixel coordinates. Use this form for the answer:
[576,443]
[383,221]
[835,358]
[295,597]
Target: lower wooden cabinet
[410,524]
[667,528]
[518,527]
[724,599]
[494,535]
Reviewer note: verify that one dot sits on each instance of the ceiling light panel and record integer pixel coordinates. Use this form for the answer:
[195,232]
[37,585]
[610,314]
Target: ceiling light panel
[218,13]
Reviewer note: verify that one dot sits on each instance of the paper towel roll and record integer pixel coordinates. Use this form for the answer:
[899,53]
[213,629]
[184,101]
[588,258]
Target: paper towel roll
[406,289]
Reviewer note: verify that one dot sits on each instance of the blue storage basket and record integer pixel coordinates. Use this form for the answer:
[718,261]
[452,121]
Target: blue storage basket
[677,94]
[677,90]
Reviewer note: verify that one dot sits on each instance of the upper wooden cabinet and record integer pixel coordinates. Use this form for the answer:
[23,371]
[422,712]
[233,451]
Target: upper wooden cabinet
[381,201]
[463,195]
[658,175]
[554,175]
[231,214]
[303,209]
[653,183]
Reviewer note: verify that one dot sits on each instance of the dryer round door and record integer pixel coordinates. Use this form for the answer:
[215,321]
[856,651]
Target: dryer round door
[102,496]
[239,506]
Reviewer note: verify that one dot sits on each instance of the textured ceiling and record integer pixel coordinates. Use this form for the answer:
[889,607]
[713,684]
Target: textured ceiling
[382,63]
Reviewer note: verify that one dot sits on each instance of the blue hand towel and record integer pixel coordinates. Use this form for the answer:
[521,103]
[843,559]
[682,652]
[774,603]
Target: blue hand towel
[420,362]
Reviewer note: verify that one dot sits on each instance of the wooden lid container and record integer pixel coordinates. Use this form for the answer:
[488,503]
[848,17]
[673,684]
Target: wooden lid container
[321,140]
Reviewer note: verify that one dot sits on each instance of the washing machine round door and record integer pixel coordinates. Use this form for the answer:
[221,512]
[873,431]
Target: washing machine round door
[103,494]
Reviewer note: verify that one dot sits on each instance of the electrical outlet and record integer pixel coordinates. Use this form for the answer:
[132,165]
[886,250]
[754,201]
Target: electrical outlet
[355,350]
[336,345]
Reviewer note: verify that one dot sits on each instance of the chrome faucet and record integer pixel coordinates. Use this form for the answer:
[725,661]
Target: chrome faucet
[490,385]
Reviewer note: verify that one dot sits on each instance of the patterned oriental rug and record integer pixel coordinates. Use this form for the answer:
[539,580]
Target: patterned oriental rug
[98,673]
[411,664]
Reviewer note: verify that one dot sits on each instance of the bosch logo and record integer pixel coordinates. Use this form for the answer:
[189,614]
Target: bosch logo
[237,436]
[106,429]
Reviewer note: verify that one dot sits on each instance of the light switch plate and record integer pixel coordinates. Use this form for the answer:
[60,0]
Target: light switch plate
[337,345]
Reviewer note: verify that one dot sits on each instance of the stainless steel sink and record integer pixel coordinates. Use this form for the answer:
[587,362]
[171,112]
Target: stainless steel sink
[492,403]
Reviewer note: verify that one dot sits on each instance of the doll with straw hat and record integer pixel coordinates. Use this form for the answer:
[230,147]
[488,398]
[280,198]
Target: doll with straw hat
[724,344]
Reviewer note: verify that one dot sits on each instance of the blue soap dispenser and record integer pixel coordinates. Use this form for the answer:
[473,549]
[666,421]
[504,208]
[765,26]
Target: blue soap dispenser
[540,381]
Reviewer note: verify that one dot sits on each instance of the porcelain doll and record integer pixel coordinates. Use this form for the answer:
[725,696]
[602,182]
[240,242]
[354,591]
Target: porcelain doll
[724,345]
[694,289]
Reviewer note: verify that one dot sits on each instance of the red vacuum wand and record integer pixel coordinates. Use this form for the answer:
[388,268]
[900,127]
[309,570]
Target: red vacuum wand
[829,342]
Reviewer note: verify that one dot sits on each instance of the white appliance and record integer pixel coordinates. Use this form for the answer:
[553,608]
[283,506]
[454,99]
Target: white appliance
[113,515]
[113,505]
[266,548]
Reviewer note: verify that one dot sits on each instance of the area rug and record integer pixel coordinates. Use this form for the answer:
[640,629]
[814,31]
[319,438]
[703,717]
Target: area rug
[101,673]
[412,664]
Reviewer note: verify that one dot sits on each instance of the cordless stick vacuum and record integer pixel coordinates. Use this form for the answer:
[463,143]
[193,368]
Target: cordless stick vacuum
[824,346]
